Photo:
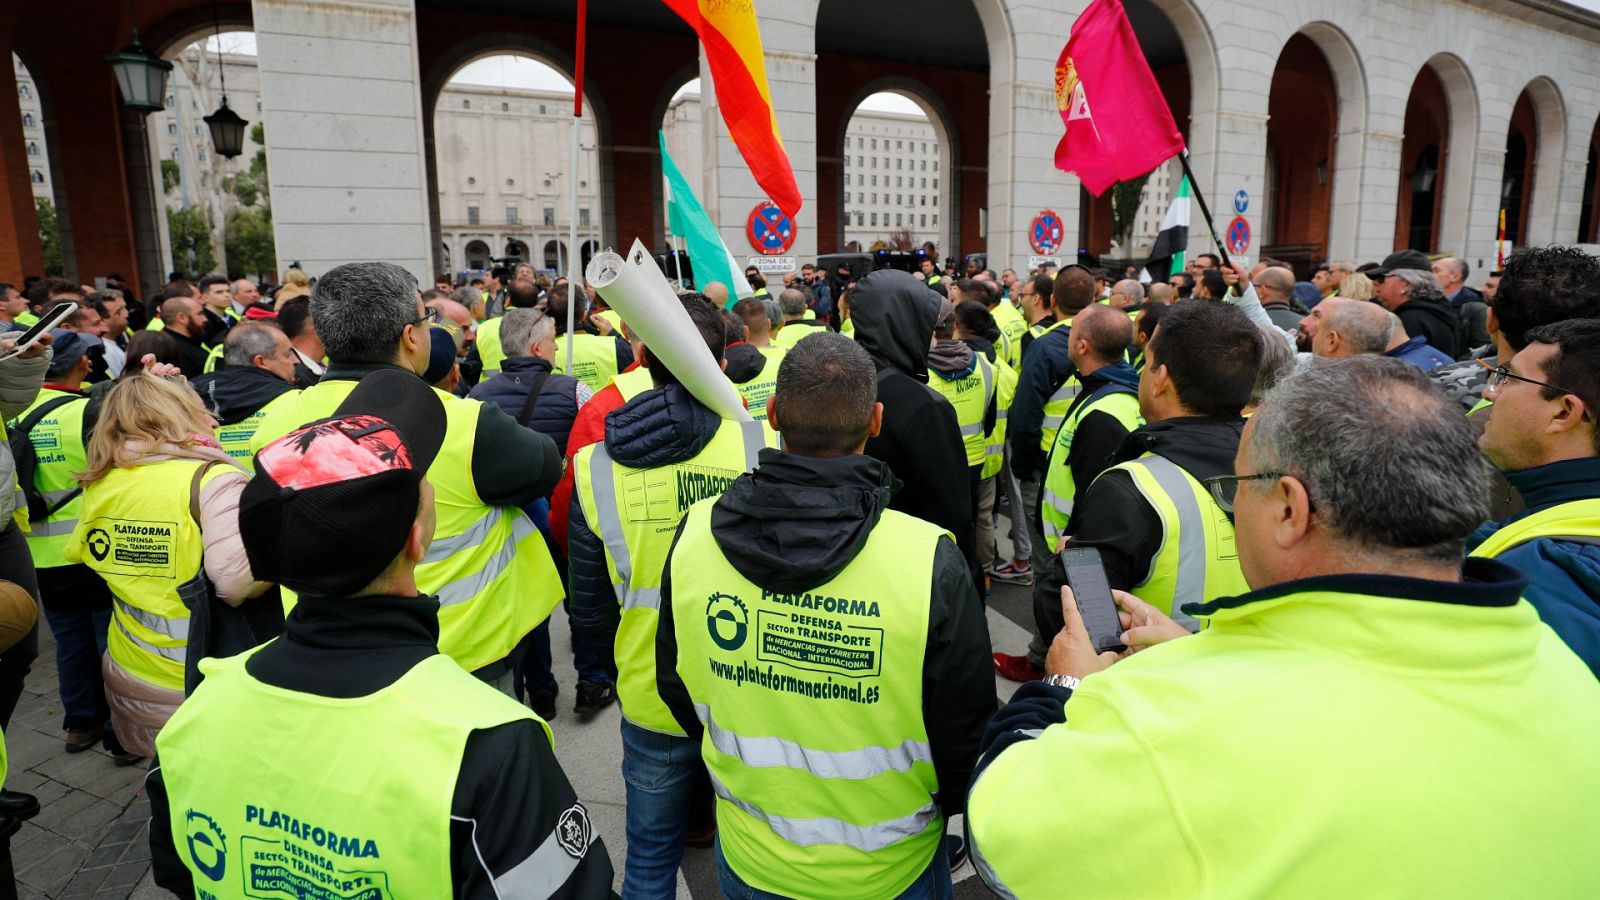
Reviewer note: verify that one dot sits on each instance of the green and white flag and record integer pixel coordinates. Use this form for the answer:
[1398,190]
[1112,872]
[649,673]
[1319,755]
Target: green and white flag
[1173,239]
[709,257]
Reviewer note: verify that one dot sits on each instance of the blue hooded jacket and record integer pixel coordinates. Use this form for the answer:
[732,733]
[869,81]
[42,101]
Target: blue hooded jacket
[1563,576]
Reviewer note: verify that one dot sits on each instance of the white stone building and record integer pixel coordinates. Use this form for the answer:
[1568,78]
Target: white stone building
[891,167]
[33,132]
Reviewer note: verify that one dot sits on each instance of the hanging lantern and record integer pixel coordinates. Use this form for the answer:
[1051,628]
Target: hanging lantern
[227,130]
[141,77]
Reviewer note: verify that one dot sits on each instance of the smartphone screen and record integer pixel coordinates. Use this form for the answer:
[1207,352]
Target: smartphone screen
[48,321]
[1087,578]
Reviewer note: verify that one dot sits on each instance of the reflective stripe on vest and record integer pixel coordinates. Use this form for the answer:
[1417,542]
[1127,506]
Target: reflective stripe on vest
[1055,408]
[994,449]
[1202,564]
[1573,519]
[309,812]
[1058,491]
[58,449]
[632,511]
[841,811]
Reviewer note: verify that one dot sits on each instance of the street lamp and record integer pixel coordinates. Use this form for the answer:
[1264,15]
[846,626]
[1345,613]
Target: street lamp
[227,129]
[141,75]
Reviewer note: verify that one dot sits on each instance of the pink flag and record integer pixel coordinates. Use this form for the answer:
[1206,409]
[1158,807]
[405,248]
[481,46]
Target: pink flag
[1118,124]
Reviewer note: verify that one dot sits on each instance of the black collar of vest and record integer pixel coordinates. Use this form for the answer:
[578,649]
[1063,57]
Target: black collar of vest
[1484,582]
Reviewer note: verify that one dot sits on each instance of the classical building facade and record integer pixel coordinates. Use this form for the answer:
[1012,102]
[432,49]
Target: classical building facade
[37,148]
[1315,129]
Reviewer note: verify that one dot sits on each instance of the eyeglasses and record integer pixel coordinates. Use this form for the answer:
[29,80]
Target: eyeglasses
[430,316]
[1021,294]
[1498,376]
[1224,488]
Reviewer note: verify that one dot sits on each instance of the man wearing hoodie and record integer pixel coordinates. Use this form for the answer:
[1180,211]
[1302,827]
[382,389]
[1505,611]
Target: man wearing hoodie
[972,385]
[259,368]
[1542,435]
[663,450]
[753,360]
[1405,285]
[920,439]
[831,665]
[1159,531]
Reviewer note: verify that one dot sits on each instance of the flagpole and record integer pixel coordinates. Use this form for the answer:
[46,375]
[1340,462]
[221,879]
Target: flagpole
[1200,198]
[574,276]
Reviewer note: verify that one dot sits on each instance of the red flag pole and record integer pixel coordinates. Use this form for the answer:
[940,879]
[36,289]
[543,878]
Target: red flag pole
[1200,198]
[574,276]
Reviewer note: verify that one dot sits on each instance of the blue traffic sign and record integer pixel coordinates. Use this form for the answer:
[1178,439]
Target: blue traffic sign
[1241,201]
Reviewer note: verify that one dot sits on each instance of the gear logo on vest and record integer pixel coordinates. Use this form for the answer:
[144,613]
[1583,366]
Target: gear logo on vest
[727,620]
[573,831]
[208,847]
[99,543]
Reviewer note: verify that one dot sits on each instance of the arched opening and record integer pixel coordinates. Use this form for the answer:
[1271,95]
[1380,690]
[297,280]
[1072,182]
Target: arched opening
[1121,225]
[1589,213]
[681,126]
[516,251]
[555,256]
[935,69]
[586,252]
[445,256]
[47,205]
[501,156]
[216,212]
[1422,173]
[894,160]
[1302,109]
[477,258]
[1516,175]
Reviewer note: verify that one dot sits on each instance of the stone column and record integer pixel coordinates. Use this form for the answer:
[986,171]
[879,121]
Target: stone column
[20,252]
[341,100]
[729,191]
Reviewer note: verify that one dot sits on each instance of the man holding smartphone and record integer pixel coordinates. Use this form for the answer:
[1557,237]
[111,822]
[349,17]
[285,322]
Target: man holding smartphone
[1359,723]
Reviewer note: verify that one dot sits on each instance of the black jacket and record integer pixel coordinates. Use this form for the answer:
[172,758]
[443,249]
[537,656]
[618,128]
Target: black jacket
[192,354]
[1436,321]
[1473,309]
[1046,366]
[746,362]
[511,465]
[921,439]
[1114,517]
[1099,434]
[558,399]
[510,792]
[659,427]
[794,524]
[233,395]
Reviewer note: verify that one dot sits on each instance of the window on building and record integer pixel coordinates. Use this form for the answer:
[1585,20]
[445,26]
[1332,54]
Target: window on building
[858,197]
[541,109]
[897,200]
[924,182]
[511,215]
[924,165]
[847,160]
[874,198]
[583,218]
[858,181]
[874,181]
[172,128]
[24,91]
[472,215]
[924,146]
[511,182]
[27,120]
[936,220]
[505,107]
[874,220]
[898,220]
[874,162]
[899,162]
[33,149]
[924,218]
[936,165]
[898,180]
[899,146]
[466,104]
[874,143]
[936,184]
[471,180]
[38,177]
[549,215]
[171,101]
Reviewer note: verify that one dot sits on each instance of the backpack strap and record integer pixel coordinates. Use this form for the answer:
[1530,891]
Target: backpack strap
[535,388]
[194,488]
[37,416]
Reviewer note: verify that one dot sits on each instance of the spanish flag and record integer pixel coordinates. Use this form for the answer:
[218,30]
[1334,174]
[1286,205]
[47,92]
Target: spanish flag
[727,29]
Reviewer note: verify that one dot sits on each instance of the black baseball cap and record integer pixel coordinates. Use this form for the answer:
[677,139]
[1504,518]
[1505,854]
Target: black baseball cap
[332,502]
[1403,259]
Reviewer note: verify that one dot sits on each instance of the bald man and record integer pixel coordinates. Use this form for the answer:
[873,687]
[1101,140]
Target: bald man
[717,293]
[1275,287]
[1160,293]
[1351,328]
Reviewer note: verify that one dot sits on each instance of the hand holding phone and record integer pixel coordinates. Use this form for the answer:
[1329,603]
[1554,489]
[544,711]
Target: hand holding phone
[1086,575]
[38,333]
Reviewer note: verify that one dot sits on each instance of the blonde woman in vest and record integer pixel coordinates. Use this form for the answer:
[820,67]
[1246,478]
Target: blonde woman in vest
[153,444]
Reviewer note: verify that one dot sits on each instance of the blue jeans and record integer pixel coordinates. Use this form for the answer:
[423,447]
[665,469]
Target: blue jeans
[80,642]
[660,772]
[536,664]
[932,884]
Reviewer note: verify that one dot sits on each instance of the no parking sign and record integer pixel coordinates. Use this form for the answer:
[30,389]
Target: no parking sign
[1238,235]
[770,232]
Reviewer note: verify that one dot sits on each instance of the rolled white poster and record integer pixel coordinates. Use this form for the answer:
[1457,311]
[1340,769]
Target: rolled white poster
[636,287]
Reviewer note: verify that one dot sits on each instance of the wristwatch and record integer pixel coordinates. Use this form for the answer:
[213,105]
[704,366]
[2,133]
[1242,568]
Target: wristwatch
[1070,682]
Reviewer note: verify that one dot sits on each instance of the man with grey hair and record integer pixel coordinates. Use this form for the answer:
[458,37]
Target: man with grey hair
[1160,293]
[1451,271]
[259,368]
[1350,328]
[814,519]
[795,326]
[1365,640]
[1126,294]
[488,570]
[1406,287]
